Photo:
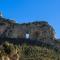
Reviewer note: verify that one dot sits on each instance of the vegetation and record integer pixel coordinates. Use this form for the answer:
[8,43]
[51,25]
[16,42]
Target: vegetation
[27,52]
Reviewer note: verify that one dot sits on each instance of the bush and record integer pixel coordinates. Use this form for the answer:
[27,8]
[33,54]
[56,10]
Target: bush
[6,48]
[27,50]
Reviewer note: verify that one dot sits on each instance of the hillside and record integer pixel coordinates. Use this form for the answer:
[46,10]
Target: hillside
[9,51]
[28,41]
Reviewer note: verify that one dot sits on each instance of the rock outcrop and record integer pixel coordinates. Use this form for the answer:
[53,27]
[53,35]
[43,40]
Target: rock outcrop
[34,30]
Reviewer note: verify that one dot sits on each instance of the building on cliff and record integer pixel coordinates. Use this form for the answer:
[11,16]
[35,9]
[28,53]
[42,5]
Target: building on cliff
[34,30]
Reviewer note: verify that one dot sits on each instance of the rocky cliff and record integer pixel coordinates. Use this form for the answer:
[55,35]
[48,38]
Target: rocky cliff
[33,30]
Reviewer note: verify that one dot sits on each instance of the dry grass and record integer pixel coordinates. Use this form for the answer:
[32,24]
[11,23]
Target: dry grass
[9,51]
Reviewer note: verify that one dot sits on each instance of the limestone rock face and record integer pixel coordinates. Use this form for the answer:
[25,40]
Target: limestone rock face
[36,30]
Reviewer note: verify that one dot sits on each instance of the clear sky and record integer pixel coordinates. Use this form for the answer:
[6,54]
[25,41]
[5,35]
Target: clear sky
[33,10]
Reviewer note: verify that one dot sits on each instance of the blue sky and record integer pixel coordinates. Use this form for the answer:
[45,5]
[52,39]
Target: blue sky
[33,10]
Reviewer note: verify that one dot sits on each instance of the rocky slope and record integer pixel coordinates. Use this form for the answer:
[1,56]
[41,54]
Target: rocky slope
[9,51]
